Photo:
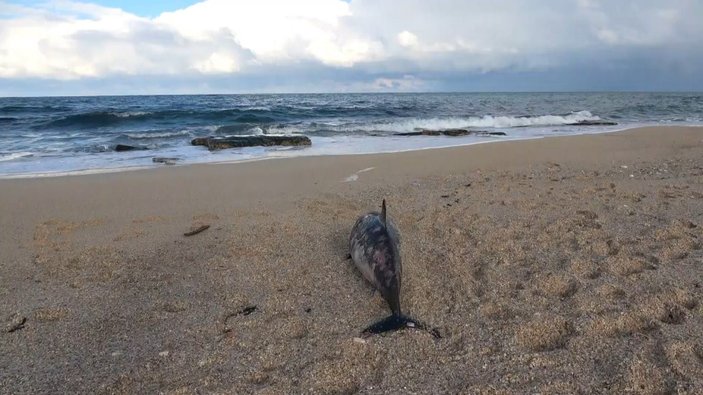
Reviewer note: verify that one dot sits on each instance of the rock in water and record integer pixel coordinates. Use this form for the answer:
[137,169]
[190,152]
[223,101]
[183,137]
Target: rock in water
[484,133]
[124,147]
[215,143]
[166,161]
[200,141]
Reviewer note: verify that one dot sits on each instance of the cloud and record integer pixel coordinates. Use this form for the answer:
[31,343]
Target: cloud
[394,44]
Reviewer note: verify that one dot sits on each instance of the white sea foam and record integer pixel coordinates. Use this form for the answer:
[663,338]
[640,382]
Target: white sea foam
[157,135]
[127,114]
[321,146]
[14,155]
[488,121]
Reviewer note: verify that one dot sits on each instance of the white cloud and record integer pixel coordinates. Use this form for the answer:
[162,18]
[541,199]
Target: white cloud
[407,39]
[218,62]
[71,40]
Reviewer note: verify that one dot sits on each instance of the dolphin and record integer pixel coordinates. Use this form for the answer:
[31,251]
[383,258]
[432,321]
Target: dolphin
[374,248]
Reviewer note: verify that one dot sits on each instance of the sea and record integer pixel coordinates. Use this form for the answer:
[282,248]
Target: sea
[49,136]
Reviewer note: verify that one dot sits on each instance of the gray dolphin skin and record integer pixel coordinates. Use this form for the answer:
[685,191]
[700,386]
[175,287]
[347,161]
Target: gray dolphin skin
[374,248]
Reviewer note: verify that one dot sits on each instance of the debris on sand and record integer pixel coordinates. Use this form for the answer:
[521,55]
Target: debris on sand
[16,323]
[197,230]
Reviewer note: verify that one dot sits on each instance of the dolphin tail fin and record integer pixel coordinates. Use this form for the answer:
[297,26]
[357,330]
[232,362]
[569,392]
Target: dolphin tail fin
[396,322]
[383,211]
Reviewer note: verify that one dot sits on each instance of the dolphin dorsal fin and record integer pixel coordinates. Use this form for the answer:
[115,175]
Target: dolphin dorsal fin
[383,211]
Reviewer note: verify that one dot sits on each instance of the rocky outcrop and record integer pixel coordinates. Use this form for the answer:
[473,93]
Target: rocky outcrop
[200,141]
[215,143]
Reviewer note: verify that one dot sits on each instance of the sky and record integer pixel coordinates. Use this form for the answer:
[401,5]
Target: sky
[59,47]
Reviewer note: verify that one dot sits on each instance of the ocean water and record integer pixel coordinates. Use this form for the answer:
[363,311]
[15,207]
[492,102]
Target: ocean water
[60,135]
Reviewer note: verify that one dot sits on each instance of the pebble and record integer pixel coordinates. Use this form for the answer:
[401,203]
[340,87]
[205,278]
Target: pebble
[16,323]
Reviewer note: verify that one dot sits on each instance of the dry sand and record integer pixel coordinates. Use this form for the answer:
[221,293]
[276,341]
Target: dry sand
[560,265]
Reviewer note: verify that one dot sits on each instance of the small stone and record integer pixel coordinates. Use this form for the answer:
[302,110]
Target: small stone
[165,161]
[359,340]
[163,354]
[16,323]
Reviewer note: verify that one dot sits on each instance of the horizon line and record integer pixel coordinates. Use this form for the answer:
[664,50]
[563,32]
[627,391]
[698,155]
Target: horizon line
[355,93]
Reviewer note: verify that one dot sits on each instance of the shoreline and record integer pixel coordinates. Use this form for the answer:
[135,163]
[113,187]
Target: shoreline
[283,156]
[555,265]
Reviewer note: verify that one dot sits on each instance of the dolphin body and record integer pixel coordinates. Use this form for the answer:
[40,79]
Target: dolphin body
[373,246]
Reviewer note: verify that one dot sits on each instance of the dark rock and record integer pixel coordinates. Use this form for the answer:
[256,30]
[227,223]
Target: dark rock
[216,143]
[166,161]
[200,141]
[124,147]
[450,132]
[593,123]
[455,132]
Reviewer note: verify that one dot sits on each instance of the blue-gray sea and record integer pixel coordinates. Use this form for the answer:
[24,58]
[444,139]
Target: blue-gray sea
[59,135]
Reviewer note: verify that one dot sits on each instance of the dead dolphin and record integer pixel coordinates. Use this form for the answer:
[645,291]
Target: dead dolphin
[373,246]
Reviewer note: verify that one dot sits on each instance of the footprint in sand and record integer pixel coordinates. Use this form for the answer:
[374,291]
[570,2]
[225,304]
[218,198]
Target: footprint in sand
[355,176]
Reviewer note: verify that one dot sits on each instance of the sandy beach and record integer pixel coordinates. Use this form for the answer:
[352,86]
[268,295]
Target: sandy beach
[557,265]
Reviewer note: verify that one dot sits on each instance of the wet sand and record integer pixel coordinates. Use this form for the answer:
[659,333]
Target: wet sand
[560,265]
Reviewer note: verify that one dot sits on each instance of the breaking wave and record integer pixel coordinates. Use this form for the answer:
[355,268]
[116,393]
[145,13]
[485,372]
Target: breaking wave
[413,124]
[487,121]
[4,157]
[157,134]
